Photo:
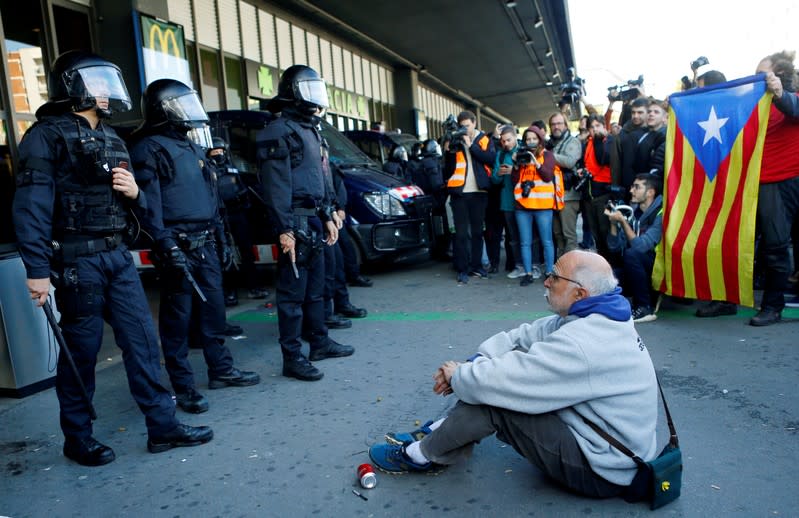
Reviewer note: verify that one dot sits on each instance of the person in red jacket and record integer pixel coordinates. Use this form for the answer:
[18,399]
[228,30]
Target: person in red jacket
[778,199]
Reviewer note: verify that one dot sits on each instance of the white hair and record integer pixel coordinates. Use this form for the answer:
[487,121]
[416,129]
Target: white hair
[595,281]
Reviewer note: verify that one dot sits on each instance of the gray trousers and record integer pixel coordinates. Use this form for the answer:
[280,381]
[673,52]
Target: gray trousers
[542,439]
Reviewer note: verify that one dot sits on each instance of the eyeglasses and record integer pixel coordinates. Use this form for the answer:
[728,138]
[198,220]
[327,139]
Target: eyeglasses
[552,277]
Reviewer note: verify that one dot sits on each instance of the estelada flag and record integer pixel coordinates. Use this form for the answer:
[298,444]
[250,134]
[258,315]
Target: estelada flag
[714,144]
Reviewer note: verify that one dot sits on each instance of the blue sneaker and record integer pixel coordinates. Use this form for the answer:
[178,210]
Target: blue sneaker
[391,458]
[416,435]
[463,278]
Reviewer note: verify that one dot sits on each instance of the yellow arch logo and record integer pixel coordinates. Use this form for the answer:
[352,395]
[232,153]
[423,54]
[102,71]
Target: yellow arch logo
[665,486]
[165,38]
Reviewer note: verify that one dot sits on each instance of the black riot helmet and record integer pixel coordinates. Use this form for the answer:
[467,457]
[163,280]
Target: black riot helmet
[170,102]
[219,143]
[300,85]
[80,80]
[416,150]
[431,148]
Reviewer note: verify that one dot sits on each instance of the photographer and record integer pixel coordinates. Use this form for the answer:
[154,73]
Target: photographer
[535,194]
[502,176]
[650,153]
[567,151]
[595,177]
[623,156]
[636,240]
[468,162]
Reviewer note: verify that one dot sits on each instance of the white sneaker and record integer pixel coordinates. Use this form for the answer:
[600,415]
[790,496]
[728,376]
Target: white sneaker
[536,272]
[518,272]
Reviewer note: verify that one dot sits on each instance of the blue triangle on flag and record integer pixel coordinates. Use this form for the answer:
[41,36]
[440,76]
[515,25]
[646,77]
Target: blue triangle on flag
[711,118]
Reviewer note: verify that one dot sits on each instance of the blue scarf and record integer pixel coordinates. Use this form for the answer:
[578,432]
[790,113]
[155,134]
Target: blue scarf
[612,305]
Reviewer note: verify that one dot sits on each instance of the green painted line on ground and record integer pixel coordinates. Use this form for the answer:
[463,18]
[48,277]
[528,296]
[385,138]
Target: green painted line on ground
[431,316]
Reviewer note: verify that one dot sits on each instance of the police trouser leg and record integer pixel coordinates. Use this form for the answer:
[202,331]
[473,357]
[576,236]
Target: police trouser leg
[341,294]
[207,272]
[134,331]
[174,317]
[330,280]
[81,306]
[300,298]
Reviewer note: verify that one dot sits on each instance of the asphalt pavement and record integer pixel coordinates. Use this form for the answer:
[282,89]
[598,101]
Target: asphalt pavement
[286,447]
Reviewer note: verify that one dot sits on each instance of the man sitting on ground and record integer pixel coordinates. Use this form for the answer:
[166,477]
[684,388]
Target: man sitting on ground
[636,240]
[534,386]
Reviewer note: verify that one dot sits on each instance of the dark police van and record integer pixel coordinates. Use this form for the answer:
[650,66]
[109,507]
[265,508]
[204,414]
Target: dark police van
[378,146]
[389,219]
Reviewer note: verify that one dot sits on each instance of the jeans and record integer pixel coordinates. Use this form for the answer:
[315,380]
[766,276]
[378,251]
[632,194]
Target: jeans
[637,276]
[512,235]
[543,222]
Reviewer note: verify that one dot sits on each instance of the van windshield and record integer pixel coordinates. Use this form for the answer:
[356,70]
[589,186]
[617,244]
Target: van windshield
[342,150]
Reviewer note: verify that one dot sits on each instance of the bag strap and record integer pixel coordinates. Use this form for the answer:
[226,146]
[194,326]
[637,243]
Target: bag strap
[673,440]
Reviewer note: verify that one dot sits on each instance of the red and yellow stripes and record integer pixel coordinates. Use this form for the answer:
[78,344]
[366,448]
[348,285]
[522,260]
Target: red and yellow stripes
[707,250]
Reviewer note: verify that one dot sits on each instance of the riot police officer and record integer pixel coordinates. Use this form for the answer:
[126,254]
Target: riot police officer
[299,199]
[71,216]
[183,220]
[235,198]
[397,163]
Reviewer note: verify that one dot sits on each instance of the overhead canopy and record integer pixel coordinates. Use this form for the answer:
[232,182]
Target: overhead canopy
[509,57]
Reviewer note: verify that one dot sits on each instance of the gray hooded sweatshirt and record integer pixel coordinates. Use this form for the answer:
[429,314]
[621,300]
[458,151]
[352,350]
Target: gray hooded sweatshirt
[593,367]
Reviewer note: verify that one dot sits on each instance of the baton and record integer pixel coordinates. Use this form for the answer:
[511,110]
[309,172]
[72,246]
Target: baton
[190,278]
[48,311]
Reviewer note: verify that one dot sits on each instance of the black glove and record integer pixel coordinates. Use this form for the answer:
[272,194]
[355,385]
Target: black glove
[226,257]
[174,258]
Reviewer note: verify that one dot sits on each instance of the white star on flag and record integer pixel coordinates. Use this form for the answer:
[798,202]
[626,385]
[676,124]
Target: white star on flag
[712,126]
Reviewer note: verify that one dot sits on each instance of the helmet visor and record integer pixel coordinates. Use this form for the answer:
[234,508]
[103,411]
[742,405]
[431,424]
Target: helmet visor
[103,83]
[201,136]
[185,108]
[312,91]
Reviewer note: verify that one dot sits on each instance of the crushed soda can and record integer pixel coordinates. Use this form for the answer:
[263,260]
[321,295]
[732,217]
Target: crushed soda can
[366,476]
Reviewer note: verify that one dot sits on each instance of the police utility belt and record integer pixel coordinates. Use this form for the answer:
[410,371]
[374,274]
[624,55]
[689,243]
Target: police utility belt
[73,247]
[193,240]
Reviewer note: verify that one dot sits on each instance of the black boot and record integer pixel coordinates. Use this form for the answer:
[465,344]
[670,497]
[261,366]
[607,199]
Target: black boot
[88,452]
[333,350]
[181,435]
[766,317]
[233,378]
[350,311]
[716,309]
[337,322]
[301,369]
[192,401]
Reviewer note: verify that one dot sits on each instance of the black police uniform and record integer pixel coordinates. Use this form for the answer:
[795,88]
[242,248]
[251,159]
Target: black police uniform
[236,201]
[299,200]
[64,201]
[183,212]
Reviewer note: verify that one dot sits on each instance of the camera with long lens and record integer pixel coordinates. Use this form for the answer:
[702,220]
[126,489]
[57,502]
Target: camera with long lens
[527,186]
[626,92]
[583,181]
[524,156]
[453,132]
[572,90]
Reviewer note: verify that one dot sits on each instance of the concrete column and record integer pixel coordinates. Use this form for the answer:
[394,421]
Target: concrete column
[406,98]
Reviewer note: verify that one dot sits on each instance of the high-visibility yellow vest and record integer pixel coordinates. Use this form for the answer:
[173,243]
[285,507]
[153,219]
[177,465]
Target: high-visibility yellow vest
[458,178]
[542,195]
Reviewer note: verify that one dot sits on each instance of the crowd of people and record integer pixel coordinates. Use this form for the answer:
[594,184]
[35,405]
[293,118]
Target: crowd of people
[532,189]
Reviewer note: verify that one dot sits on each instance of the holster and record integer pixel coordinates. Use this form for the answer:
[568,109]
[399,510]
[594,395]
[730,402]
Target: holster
[193,240]
[306,247]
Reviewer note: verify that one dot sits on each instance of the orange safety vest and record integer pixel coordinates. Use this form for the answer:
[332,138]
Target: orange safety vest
[601,172]
[543,195]
[458,178]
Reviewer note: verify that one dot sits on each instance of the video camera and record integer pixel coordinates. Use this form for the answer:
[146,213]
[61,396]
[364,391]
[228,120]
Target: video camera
[453,132]
[687,83]
[524,156]
[626,92]
[572,91]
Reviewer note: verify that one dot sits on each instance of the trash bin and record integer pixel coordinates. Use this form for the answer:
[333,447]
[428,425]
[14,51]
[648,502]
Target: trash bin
[28,348]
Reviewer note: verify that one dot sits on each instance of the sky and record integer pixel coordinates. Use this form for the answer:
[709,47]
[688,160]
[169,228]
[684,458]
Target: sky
[617,40]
